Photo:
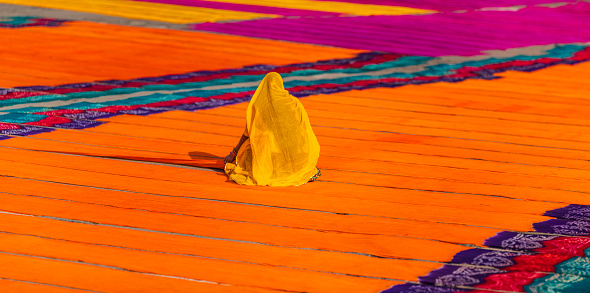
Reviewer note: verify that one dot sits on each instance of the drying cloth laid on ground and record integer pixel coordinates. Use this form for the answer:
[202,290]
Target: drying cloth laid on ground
[282,149]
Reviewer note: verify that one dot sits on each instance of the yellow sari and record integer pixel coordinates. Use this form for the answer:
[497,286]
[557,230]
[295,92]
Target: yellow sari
[282,149]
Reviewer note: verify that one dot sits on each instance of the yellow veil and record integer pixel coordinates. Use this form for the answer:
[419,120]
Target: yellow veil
[282,149]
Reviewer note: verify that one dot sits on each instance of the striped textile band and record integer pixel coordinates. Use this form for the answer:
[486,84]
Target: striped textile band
[553,258]
[28,21]
[30,110]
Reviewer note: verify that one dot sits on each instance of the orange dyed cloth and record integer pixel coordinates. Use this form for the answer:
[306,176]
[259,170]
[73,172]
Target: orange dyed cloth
[282,149]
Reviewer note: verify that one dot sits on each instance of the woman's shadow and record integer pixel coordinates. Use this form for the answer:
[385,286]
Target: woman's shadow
[207,160]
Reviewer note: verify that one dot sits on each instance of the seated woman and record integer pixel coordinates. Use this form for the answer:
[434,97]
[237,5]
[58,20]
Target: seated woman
[278,147]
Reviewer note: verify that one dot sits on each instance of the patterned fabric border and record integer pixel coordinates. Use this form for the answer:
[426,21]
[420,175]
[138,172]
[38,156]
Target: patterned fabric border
[27,21]
[553,258]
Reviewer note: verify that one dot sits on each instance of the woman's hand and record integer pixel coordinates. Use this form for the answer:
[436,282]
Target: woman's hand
[231,157]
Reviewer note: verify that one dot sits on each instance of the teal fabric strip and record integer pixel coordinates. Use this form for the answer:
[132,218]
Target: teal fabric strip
[559,283]
[20,118]
[575,266]
[16,20]
[573,275]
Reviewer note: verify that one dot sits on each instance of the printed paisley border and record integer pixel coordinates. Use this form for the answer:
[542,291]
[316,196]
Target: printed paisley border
[553,258]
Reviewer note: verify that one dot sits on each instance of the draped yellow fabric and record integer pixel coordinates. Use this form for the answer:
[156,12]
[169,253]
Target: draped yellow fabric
[282,149]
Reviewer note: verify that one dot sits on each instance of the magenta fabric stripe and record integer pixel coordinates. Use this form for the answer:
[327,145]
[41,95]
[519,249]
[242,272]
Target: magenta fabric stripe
[444,5]
[243,7]
[439,34]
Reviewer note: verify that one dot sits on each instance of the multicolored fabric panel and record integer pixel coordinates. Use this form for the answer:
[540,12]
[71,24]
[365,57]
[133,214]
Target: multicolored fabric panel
[553,258]
[77,106]
[454,146]
[27,21]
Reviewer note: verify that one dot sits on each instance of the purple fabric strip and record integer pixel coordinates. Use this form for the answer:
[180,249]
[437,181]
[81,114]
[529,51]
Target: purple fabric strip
[453,275]
[4,91]
[90,115]
[421,288]
[79,124]
[517,241]
[24,131]
[571,212]
[563,227]
[243,7]
[438,34]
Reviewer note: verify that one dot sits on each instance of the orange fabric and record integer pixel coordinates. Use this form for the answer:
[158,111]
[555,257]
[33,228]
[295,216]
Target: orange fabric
[393,247]
[378,194]
[240,275]
[72,274]
[126,52]
[406,174]
[26,287]
[241,251]
[439,150]
[429,229]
